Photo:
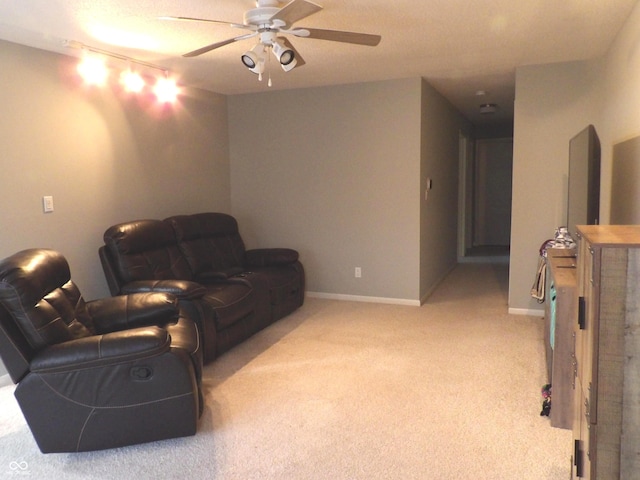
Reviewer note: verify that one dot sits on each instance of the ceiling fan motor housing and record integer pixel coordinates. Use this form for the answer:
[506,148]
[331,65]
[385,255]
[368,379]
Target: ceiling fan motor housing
[261,17]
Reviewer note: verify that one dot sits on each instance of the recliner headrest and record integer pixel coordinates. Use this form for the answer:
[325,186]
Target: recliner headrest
[29,275]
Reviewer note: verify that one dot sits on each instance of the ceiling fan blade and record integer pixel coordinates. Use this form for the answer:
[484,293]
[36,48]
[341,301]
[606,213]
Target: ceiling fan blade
[299,60]
[213,46]
[296,10]
[192,19]
[337,36]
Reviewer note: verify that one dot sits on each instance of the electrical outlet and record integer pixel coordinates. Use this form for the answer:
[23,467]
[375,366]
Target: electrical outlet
[358,272]
[47,204]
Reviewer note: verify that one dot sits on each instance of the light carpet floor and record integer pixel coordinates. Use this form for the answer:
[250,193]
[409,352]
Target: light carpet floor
[345,390]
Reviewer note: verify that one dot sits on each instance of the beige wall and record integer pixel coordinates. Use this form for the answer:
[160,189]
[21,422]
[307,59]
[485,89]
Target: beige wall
[621,108]
[338,173]
[335,173]
[441,127]
[104,159]
[553,103]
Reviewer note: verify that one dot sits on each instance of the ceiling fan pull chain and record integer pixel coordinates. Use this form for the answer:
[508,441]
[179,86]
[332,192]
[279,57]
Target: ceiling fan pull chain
[270,49]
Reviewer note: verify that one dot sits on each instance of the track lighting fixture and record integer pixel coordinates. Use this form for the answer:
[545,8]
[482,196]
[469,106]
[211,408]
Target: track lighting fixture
[94,71]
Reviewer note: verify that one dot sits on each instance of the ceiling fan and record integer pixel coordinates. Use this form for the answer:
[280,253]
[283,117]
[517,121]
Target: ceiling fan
[268,21]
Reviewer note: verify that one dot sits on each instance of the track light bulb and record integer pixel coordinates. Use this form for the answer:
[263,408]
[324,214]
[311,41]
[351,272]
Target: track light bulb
[93,70]
[132,81]
[166,90]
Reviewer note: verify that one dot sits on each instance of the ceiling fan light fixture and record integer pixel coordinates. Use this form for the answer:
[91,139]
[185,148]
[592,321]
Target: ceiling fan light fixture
[252,58]
[249,59]
[284,55]
[289,66]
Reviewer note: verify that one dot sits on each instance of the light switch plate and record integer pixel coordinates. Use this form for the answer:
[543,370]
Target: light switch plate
[47,204]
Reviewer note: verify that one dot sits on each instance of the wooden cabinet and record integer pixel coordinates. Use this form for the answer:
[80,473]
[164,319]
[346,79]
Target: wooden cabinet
[606,426]
[561,311]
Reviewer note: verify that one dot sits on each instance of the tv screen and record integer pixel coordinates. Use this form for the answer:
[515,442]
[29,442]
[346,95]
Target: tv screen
[583,203]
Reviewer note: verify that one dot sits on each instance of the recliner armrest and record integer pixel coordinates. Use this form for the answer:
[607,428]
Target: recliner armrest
[183,289]
[134,310]
[268,257]
[99,350]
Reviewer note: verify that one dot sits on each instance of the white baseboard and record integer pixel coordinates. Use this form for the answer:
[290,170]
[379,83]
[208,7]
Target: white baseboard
[496,259]
[433,288]
[5,380]
[532,312]
[362,298]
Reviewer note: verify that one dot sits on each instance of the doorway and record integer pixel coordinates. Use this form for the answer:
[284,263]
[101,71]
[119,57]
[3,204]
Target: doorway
[492,193]
[486,170]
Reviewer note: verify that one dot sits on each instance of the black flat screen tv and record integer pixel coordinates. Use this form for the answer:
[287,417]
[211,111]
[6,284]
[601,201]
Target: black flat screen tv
[583,203]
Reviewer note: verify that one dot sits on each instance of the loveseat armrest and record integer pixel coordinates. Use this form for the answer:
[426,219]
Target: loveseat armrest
[99,350]
[270,257]
[183,289]
[124,312]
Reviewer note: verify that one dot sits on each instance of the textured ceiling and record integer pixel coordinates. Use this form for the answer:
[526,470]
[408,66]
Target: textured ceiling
[459,46]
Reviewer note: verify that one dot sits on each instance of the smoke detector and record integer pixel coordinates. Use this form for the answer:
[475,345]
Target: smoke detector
[488,108]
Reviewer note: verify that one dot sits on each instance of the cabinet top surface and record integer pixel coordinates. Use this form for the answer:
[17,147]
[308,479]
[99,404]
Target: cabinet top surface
[562,264]
[611,235]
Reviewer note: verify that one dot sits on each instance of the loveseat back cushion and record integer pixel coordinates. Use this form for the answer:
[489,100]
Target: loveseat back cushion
[37,291]
[146,250]
[210,242]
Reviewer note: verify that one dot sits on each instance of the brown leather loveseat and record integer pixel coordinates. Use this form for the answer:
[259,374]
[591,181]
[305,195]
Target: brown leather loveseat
[201,258]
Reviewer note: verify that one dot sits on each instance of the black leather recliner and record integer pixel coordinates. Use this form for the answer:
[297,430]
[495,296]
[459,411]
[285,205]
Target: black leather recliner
[98,374]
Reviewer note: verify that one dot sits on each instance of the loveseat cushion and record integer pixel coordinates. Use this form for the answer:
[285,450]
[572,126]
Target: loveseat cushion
[182,289]
[146,250]
[210,242]
[231,302]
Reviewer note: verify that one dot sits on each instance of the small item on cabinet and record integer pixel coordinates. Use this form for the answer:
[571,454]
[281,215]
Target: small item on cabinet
[538,288]
[546,400]
[563,239]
